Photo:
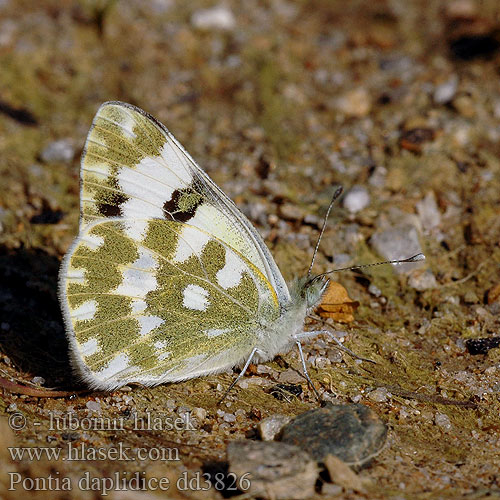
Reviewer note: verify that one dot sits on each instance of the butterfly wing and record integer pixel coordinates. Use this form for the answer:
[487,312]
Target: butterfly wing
[132,167]
[167,279]
[133,305]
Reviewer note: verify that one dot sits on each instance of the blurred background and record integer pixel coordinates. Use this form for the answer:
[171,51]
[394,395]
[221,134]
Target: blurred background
[281,101]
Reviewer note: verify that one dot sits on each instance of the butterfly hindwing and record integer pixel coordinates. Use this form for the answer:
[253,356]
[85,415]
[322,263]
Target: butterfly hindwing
[174,304]
[134,168]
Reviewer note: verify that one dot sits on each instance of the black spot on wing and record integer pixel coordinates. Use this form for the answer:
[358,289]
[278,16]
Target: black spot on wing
[183,204]
[111,207]
[109,198]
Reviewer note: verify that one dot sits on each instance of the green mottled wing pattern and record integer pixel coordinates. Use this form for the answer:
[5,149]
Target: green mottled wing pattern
[167,279]
[175,304]
[132,167]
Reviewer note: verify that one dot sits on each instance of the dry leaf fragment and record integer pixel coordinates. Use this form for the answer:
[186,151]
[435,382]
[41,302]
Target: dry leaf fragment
[337,304]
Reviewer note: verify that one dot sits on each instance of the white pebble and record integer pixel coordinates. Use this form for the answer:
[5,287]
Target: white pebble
[215,18]
[356,199]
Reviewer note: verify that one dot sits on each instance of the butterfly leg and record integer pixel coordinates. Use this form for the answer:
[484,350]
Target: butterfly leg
[341,346]
[304,368]
[255,350]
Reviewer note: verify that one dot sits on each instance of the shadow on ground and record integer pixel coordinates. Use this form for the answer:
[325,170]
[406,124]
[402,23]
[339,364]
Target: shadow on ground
[31,325]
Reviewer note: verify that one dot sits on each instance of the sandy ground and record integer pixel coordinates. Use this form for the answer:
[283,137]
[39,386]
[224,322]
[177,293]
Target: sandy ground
[280,102]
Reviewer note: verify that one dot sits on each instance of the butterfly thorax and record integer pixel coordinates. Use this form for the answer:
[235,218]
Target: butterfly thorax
[305,294]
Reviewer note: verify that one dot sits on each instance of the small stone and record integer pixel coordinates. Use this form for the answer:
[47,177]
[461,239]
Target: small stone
[465,105]
[38,380]
[274,470]
[422,280]
[352,432]
[470,297]
[379,395]
[289,211]
[340,473]
[414,139]
[442,420]
[58,151]
[200,414]
[331,490]
[374,290]
[263,369]
[398,242]
[215,18]
[170,404]
[461,9]
[428,211]
[356,102]
[270,427]
[446,91]
[356,199]
[290,376]
[482,346]
[93,406]
[229,417]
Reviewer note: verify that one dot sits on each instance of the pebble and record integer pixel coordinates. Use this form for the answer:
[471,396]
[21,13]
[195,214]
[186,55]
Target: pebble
[331,490]
[215,18]
[290,376]
[374,290]
[170,404]
[379,395]
[274,470]
[270,427]
[61,151]
[421,280]
[446,91]
[351,432]
[442,420]
[356,102]
[428,212]
[93,406]
[398,242]
[356,199]
[199,414]
[291,212]
[229,417]
[470,297]
[341,474]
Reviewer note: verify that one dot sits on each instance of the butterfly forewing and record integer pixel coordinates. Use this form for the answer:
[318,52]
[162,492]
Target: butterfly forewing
[174,304]
[134,168]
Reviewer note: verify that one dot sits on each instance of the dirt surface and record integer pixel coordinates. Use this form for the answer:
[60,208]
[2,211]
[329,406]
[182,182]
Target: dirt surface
[280,102]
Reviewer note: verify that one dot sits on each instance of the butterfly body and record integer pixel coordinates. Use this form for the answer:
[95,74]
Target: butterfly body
[167,280]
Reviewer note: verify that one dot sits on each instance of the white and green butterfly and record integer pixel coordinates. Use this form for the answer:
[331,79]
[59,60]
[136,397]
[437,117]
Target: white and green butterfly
[167,280]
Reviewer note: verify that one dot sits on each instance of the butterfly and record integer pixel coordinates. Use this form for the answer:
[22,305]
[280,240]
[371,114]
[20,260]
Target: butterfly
[167,280]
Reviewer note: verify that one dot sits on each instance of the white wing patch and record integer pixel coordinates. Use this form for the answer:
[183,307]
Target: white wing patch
[90,347]
[230,275]
[93,241]
[139,279]
[85,311]
[116,365]
[148,324]
[138,305]
[76,276]
[172,156]
[195,297]
[191,242]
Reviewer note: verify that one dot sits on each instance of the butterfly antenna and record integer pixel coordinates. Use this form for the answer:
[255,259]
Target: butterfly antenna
[415,258]
[337,193]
